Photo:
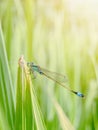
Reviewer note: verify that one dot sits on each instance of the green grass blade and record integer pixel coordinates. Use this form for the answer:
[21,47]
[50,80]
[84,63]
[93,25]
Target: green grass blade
[38,117]
[3,122]
[6,88]
[37,112]
[27,103]
[28,106]
[19,103]
[63,119]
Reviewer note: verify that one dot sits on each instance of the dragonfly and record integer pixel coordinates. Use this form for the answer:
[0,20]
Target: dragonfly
[56,77]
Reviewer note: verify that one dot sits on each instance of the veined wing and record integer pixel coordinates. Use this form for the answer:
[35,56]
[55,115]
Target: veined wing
[56,76]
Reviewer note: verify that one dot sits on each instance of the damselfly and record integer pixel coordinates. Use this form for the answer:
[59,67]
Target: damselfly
[58,78]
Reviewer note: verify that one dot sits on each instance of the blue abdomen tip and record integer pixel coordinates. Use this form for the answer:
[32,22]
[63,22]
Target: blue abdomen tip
[80,94]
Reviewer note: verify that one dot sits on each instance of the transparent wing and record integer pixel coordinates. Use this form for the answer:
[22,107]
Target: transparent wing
[56,76]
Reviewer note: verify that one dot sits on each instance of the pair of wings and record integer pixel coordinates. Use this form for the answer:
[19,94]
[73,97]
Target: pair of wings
[58,78]
[54,75]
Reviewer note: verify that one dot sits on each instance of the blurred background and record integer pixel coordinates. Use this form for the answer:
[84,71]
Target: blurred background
[61,36]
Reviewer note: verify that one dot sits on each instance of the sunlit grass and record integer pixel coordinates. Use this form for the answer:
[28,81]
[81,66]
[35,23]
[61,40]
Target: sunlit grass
[58,35]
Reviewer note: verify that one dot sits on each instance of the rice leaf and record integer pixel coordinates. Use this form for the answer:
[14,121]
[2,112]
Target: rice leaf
[19,103]
[6,88]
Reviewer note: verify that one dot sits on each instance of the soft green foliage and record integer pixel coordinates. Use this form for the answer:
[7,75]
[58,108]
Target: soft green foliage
[59,36]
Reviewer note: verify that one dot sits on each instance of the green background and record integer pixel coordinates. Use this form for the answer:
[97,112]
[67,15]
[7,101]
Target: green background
[61,36]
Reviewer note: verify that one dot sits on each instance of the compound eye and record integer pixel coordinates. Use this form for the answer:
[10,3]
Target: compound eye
[41,72]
